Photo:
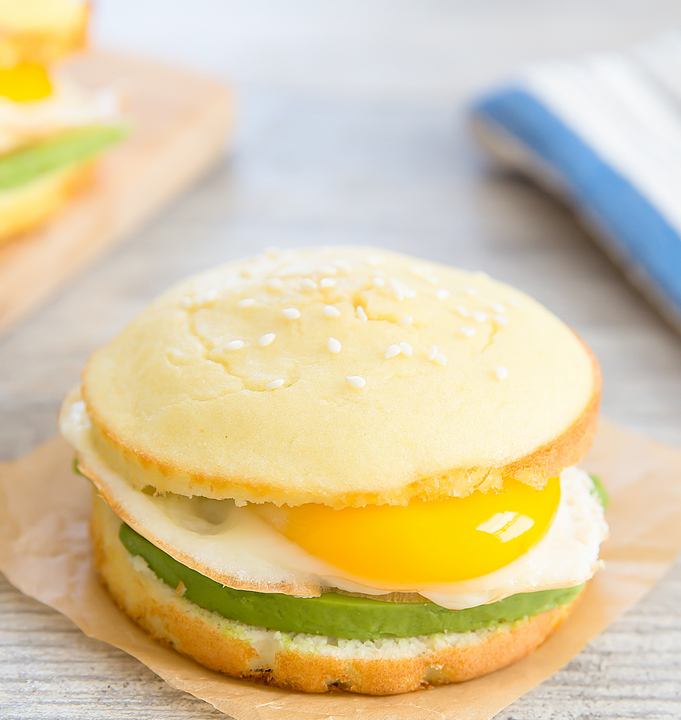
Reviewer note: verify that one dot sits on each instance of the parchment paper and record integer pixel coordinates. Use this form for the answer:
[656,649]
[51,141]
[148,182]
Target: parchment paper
[45,553]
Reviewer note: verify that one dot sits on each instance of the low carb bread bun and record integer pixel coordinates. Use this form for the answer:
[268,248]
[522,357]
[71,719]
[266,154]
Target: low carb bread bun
[342,469]
[341,376]
[308,663]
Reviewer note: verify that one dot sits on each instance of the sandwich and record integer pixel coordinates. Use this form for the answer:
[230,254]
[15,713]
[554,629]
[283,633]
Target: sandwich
[342,469]
[51,130]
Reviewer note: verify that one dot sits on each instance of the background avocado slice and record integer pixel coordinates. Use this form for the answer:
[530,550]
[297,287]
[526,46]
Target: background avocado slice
[68,148]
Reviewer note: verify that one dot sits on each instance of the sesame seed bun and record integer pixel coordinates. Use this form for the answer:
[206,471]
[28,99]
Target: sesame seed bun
[309,663]
[342,376]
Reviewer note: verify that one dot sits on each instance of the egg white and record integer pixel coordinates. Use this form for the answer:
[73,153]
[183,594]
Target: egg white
[66,108]
[235,547]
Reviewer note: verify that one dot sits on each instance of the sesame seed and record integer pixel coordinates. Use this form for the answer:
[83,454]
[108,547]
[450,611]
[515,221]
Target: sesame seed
[291,313]
[333,346]
[343,265]
[418,270]
[479,315]
[331,311]
[498,307]
[266,339]
[246,303]
[327,282]
[468,331]
[406,348]
[463,311]
[361,313]
[392,351]
[328,270]
[274,384]
[186,302]
[500,319]
[202,299]
[398,289]
[378,282]
[177,356]
[433,352]
[274,283]
[442,293]
[374,260]
[514,302]
[501,372]
[356,381]
[470,290]
[441,359]
[432,279]
[234,345]
[406,320]
[307,284]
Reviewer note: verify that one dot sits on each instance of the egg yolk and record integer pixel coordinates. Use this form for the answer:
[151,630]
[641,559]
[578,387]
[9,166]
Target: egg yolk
[24,82]
[438,541]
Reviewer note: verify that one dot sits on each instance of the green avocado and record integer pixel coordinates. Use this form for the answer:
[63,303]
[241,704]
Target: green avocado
[341,616]
[600,492]
[68,148]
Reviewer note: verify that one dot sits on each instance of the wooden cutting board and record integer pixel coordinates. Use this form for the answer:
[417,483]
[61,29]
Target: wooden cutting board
[179,122]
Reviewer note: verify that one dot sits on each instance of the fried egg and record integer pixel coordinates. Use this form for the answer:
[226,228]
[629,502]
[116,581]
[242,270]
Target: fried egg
[459,553]
[34,106]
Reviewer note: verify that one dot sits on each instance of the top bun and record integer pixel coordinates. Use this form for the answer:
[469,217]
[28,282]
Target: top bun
[278,378]
[41,31]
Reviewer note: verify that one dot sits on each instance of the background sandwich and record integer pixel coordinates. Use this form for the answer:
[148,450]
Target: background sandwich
[342,469]
[50,129]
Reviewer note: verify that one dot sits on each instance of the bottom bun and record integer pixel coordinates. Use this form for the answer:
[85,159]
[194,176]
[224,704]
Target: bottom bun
[297,661]
[27,206]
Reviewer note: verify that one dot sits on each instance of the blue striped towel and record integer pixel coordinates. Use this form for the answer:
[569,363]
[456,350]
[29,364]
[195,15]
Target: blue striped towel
[604,132]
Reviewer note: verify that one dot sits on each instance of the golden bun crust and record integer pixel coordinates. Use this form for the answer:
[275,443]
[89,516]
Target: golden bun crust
[569,447]
[29,205]
[305,663]
[41,31]
[487,383]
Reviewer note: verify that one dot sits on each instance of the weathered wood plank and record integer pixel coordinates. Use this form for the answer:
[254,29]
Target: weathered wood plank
[363,145]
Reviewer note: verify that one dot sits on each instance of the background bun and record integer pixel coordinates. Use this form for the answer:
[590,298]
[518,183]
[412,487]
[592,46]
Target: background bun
[28,205]
[41,31]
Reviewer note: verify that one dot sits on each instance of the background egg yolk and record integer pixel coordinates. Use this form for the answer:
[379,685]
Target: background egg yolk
[437,541]
[23,82]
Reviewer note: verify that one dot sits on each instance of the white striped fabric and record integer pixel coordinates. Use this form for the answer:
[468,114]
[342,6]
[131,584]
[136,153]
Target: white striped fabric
[605,132]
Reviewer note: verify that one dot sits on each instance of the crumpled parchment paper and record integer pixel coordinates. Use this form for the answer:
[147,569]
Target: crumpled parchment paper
[45,553]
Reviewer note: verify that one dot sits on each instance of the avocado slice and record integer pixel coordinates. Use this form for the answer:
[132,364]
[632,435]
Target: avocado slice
[68,148]
[600,492]
[341,616]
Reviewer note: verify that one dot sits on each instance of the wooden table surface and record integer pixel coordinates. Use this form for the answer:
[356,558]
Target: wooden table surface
[352,130]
